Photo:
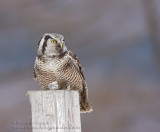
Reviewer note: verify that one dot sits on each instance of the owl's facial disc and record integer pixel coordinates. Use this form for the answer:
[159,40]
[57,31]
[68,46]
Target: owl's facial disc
[52,44]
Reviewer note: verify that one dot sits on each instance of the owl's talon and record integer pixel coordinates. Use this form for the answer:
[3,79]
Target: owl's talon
[68,87]
[53,86]
[27,94]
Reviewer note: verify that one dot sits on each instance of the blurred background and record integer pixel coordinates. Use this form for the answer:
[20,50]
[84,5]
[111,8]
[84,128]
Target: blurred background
[118,44]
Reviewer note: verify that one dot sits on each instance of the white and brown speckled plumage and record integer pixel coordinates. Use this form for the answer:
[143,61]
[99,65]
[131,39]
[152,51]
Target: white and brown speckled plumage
[55,63]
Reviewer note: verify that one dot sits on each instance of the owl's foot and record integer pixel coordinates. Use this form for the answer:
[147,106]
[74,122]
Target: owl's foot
[53,86]
[68,87]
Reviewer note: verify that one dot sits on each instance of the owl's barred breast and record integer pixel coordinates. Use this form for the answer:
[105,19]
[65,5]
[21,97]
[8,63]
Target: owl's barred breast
[60,70]
[45,73]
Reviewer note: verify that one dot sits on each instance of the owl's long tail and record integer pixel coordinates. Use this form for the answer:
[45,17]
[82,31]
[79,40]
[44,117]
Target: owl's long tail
[84,103]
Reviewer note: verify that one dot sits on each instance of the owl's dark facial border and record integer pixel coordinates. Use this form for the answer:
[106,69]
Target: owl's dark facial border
[62,54]
[59,50]
[45,43]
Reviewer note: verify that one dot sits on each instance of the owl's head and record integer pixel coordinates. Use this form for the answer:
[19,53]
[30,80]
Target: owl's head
[51,44]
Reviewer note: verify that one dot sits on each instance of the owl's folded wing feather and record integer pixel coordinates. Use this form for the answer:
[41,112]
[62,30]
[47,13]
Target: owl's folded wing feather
[85,105]
[34,71]
[34,74]
[76,63]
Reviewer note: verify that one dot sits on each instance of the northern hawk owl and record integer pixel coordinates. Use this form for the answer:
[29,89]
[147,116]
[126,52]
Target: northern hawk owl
[55,63]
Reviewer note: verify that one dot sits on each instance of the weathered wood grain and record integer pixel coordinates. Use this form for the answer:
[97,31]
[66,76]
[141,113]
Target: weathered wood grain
[55,111]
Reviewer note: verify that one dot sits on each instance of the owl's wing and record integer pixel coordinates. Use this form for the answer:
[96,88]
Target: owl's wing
[76,62]
[34,74]
[84,103]
[34,71]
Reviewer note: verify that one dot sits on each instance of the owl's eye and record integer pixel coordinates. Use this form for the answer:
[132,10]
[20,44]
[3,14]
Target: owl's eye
[53,41]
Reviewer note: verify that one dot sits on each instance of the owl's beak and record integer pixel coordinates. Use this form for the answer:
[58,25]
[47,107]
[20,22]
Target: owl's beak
[61,44]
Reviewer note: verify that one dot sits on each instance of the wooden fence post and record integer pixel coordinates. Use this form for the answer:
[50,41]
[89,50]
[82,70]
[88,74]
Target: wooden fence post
[55,111]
